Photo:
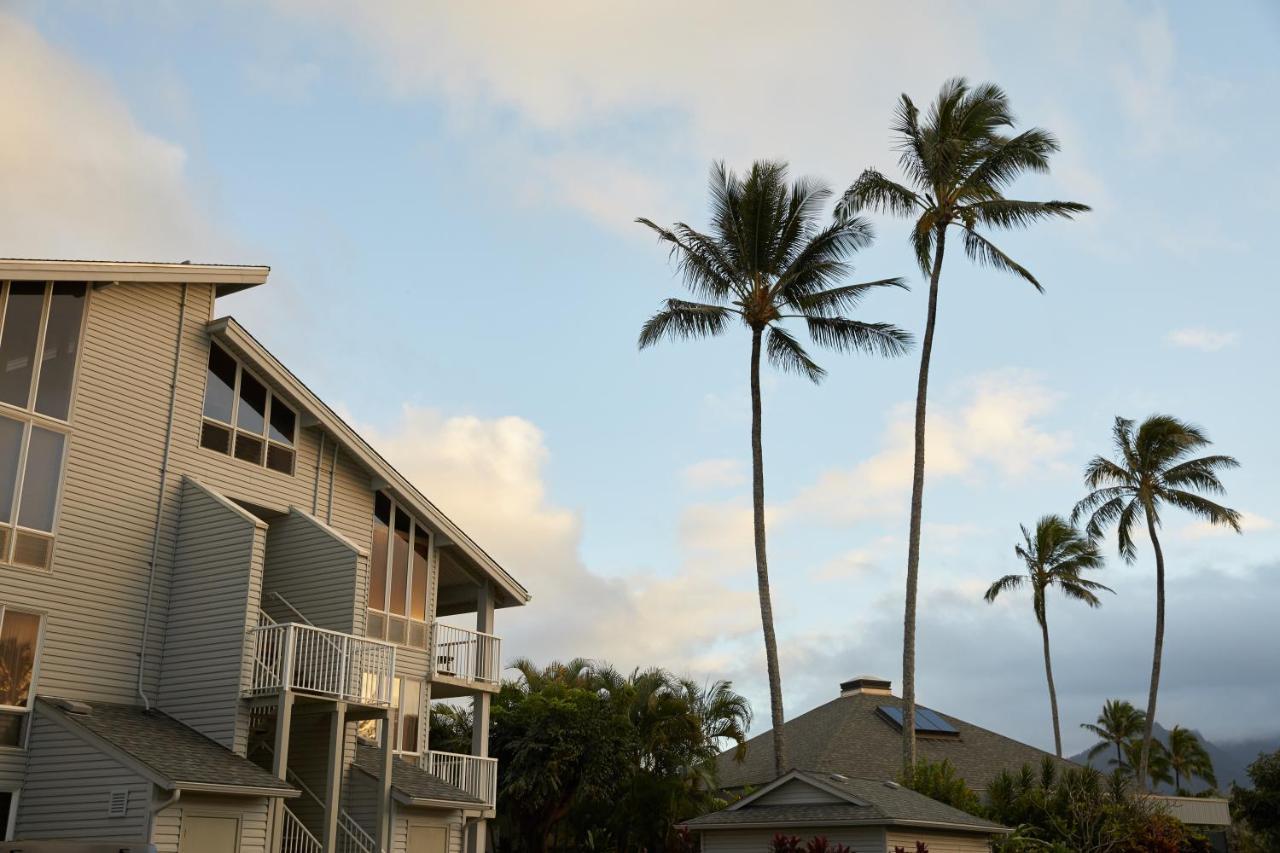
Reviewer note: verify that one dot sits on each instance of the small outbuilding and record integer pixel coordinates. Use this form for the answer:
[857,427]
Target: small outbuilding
[866,815]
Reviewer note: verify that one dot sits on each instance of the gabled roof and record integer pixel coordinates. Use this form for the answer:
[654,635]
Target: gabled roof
[850,737]
[410,783]
[228,278]
[160,748]
[230,334]
[858,802]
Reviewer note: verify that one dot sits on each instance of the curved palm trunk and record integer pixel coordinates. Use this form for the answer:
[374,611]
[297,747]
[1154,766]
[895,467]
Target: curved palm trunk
[1144,762]
[1053,694]
[762,565]
[917,510]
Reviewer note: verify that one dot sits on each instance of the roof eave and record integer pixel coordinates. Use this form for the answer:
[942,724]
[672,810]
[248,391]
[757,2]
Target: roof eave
[229,278]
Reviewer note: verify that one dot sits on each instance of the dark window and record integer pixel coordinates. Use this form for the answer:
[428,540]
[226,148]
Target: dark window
[283,422]
[10,454]
[252,412]
[279,459]
[40,479]
[232,396]
[421,568]
[61,343]
[248,448]
[378,560]
[18,341]
[220,385]
[215,437]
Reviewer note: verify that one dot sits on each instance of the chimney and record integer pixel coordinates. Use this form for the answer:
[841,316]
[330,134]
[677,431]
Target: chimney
[872,685]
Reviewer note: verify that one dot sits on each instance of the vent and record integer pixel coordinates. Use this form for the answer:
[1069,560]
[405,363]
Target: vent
[871,684]
[118,802]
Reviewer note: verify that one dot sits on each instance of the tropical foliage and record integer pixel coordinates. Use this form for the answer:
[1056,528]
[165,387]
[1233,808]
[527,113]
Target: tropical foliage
[1054,557]
[1155,467]
[767,260]
[959,160]
[1117,726]
[1188,760]
[1257,809]
[940,781]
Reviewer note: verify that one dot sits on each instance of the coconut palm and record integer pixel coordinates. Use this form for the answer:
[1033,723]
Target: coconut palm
[1188,759]
[766,260]
[958,163]
[1154,468]
[1118,725]
[1054,557]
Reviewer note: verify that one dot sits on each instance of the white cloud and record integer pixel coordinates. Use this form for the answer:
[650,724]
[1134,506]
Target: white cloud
[714,474]
[1205,340]
[851,565]
[1249,523]
[81,178]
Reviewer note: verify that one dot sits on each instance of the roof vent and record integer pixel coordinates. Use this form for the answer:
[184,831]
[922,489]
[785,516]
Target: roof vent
[118,802]
[839,777]
[870,684]
[71,706]
[894,785]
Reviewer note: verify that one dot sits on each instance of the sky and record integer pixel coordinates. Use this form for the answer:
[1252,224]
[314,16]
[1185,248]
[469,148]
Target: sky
[446,194]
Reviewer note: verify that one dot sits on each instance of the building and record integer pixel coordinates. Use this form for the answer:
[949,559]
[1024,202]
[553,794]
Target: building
[223,616]
[859,734]
[866,815]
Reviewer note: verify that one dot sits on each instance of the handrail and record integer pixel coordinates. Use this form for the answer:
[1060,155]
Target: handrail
[293,656]
[465,654]
[475,774]
[353,837]
[296,838]
[294,610]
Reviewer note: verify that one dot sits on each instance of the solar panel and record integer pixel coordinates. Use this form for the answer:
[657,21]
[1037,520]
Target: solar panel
[926,721]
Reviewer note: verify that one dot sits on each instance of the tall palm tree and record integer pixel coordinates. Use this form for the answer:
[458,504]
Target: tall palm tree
[1154,468]
[958,163]
[1054,557]
[1117,725]
[767,260]
[1188,759]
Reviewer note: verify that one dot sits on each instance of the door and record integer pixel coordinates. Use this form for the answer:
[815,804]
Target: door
[201,834]
[427,839]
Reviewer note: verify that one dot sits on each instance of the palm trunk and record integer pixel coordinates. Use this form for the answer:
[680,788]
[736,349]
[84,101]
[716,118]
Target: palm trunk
[762,565]
[1144,762]
[917,511]
[1053,694]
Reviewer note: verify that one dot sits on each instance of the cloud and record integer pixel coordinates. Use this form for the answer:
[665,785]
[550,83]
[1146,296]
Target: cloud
[851,565]
[1205,340]
[1249,523]
[714,474]
[81,178]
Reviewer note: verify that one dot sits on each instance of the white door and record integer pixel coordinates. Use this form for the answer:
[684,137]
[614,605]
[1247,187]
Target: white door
[427,839]
[202,834]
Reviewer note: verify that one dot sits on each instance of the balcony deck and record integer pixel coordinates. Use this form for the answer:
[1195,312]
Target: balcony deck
[464,661]
[321,663]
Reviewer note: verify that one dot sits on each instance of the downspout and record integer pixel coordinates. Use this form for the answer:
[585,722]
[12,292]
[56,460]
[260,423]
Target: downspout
[164,482]
[156,808]
[328,513]
[315,487]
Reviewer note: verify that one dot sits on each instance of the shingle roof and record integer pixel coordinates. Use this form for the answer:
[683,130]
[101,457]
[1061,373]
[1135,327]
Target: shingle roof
[171,750]
[876,803]
[849,737]
[410,779]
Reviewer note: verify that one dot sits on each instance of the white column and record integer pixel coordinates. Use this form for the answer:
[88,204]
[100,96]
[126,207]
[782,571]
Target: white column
[480,713]
[333,776]
[280,763]
[384,782]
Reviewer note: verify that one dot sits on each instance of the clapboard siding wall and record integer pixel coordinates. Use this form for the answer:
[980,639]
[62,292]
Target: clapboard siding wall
[859,839]
[796,792]
[315,569]
[166,833]
[939,842]
[406,815]
[67,788]
[217,583]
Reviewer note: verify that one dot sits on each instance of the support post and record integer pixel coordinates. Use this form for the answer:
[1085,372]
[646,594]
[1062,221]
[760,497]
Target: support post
[384,781]
[333,776]
[478,835]
[280,763]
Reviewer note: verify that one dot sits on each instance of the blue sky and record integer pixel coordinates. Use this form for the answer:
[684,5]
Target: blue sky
[446,197]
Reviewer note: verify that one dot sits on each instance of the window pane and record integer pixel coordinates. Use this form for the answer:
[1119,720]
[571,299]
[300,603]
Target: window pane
[282,422]
[252,413]
[11,729]
[215,437]
[378,558]
[410,713]
[220,385]
[10,449]
[400,563]
[18,639]
[40,480]
[279,459]
[61,345]
[248,448]
[18,341]
[421,563]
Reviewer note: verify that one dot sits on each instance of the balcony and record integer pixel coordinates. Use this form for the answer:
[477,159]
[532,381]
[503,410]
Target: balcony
[319,662]
[464,659]
[473,774]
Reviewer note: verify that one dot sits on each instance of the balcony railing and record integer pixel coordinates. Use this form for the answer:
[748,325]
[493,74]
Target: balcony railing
[314,660]
[465,655]
[473,774]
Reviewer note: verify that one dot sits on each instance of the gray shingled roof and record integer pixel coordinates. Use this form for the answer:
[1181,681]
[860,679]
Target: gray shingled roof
[410,779]
[877,803]
[849,737]
[170,749]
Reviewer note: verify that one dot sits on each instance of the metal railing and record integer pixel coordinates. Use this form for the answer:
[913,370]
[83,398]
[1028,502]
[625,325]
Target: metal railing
[473,774]
[464,654]
[297,838]
[352,838]
[316,660]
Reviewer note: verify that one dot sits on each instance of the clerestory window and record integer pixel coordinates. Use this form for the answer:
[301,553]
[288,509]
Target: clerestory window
[399,572]
[244,418]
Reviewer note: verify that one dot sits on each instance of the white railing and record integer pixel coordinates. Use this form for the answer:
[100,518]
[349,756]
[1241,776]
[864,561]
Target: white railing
[473,774]
[316,660]
[352,838]
[297,838]
[466,655]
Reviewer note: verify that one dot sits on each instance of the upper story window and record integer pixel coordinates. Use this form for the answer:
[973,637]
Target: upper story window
[244,419]
[407,695]
[19,644]
[399,571]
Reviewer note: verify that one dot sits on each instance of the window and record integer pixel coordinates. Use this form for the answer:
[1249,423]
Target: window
[406,699]
[399,566]
[42,318]
[19,642]
[8,801]
[243,418]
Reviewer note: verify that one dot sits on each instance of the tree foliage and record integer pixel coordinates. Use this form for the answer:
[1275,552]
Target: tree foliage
[1258,808]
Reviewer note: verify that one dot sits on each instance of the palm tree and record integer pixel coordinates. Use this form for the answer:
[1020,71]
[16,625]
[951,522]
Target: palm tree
[959,163]
[1188,759]
[1159,766]
[1154,469]
[766,260]
[1117,725]
[1054,557]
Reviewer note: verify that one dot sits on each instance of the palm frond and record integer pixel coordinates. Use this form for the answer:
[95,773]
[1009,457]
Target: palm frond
[1200,473]
[680,319]
[700,261]
[786,354]
[873,191]
[1206,509]
[835,300]
[1004,159]
[982,251]
[844,335]
[1006,213]
[1007,583]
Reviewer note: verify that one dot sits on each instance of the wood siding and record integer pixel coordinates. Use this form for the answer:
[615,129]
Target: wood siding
[315,569]
[939,842]
[67,787]
[166,833]
[859,839]
[795,792]
[406,815]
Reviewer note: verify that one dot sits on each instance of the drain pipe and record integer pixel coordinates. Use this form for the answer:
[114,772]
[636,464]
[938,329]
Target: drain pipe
[315,487]
[333,465]
[164,482]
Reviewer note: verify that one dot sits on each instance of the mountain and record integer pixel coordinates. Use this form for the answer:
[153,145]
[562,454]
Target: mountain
[1230,759]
